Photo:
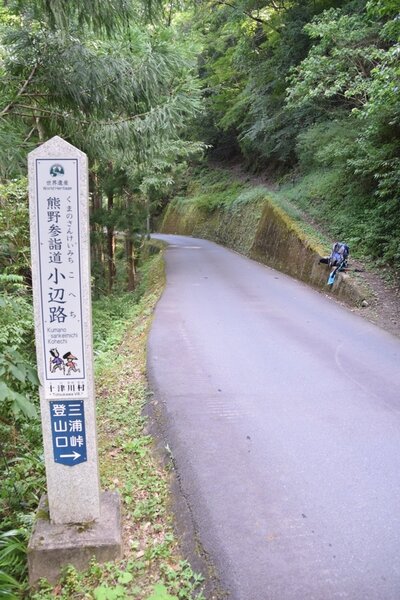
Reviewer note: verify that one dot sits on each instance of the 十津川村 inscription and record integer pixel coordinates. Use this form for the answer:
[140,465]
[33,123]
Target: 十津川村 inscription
[58,226]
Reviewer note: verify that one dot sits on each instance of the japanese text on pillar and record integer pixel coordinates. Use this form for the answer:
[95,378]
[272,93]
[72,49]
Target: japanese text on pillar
[60,277]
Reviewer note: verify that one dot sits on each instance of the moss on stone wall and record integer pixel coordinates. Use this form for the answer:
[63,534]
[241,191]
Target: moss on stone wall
[256,227]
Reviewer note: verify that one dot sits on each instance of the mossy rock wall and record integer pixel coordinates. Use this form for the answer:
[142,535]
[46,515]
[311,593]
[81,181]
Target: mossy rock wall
[263,232]
[280,243]
[232,226]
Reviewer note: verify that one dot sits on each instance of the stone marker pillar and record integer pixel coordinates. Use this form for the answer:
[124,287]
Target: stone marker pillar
[60,236]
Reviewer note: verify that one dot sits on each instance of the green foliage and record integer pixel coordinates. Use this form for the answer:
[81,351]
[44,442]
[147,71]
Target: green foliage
[249,49]
[13,565]
[105,592]
[184,582]
[327,144]
[324,195]
[110,315]
[16,318]
[18,378]
[121,582]
[236,221]
[311,87]
[108,97]
[377,152]
[228,194]
[14,227]
[126,94]
[160,592]
[10,588]
[340,63]
[96,14]
[217,196]
[249,196]
[23,482]
[18,383]
[353,66]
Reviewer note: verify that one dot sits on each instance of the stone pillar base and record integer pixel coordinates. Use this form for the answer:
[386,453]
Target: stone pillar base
[52,547]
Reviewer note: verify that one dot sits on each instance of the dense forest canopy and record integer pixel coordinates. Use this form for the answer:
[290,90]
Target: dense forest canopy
[305,91]
[116,80]
[311,88]
[308,88]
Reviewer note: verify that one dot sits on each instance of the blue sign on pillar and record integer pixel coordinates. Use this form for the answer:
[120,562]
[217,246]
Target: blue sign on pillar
[68,431]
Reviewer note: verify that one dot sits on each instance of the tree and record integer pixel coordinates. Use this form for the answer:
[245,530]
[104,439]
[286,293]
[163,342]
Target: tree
[338,67]
[250,47]
[352,71]
[118,90]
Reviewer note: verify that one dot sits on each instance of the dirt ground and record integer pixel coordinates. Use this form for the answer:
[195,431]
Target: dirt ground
[383,307]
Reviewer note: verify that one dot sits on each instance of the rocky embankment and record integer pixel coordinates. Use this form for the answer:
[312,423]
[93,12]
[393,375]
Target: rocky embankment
[264,232]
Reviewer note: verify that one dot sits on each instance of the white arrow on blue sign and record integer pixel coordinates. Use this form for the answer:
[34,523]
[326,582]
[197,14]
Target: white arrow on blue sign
[74,455]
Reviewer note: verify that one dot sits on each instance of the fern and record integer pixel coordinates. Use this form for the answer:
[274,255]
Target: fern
[13,566]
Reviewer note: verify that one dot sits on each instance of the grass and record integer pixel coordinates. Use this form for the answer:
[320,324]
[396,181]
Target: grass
[300,218]
[211,190]
[217,188]
[152,567]
[323,196]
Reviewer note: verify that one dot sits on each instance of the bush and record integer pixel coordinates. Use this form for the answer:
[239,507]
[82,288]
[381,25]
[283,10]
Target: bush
[14,227]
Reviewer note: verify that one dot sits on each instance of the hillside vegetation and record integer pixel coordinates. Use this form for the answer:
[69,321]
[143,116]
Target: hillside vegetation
[259,223]
[308,91]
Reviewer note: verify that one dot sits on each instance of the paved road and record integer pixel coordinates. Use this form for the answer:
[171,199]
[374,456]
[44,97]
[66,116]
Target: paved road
[284,420]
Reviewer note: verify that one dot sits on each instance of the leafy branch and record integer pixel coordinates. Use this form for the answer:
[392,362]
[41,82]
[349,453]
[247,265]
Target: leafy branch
[20,92]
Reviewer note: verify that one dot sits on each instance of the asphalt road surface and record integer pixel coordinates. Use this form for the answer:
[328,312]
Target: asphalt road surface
[283,412]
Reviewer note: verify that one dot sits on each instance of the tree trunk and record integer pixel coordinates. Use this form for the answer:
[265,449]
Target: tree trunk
[92,199]
[111,245]
[130,262]
[40,129]
[96,245]
[147,218]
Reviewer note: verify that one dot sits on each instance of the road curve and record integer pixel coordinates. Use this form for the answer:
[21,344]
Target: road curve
[283,412]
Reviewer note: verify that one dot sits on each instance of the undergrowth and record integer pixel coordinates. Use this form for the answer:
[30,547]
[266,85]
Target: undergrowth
[345,213]
[216,189]
[210,190]
[151,567]
[325,205]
